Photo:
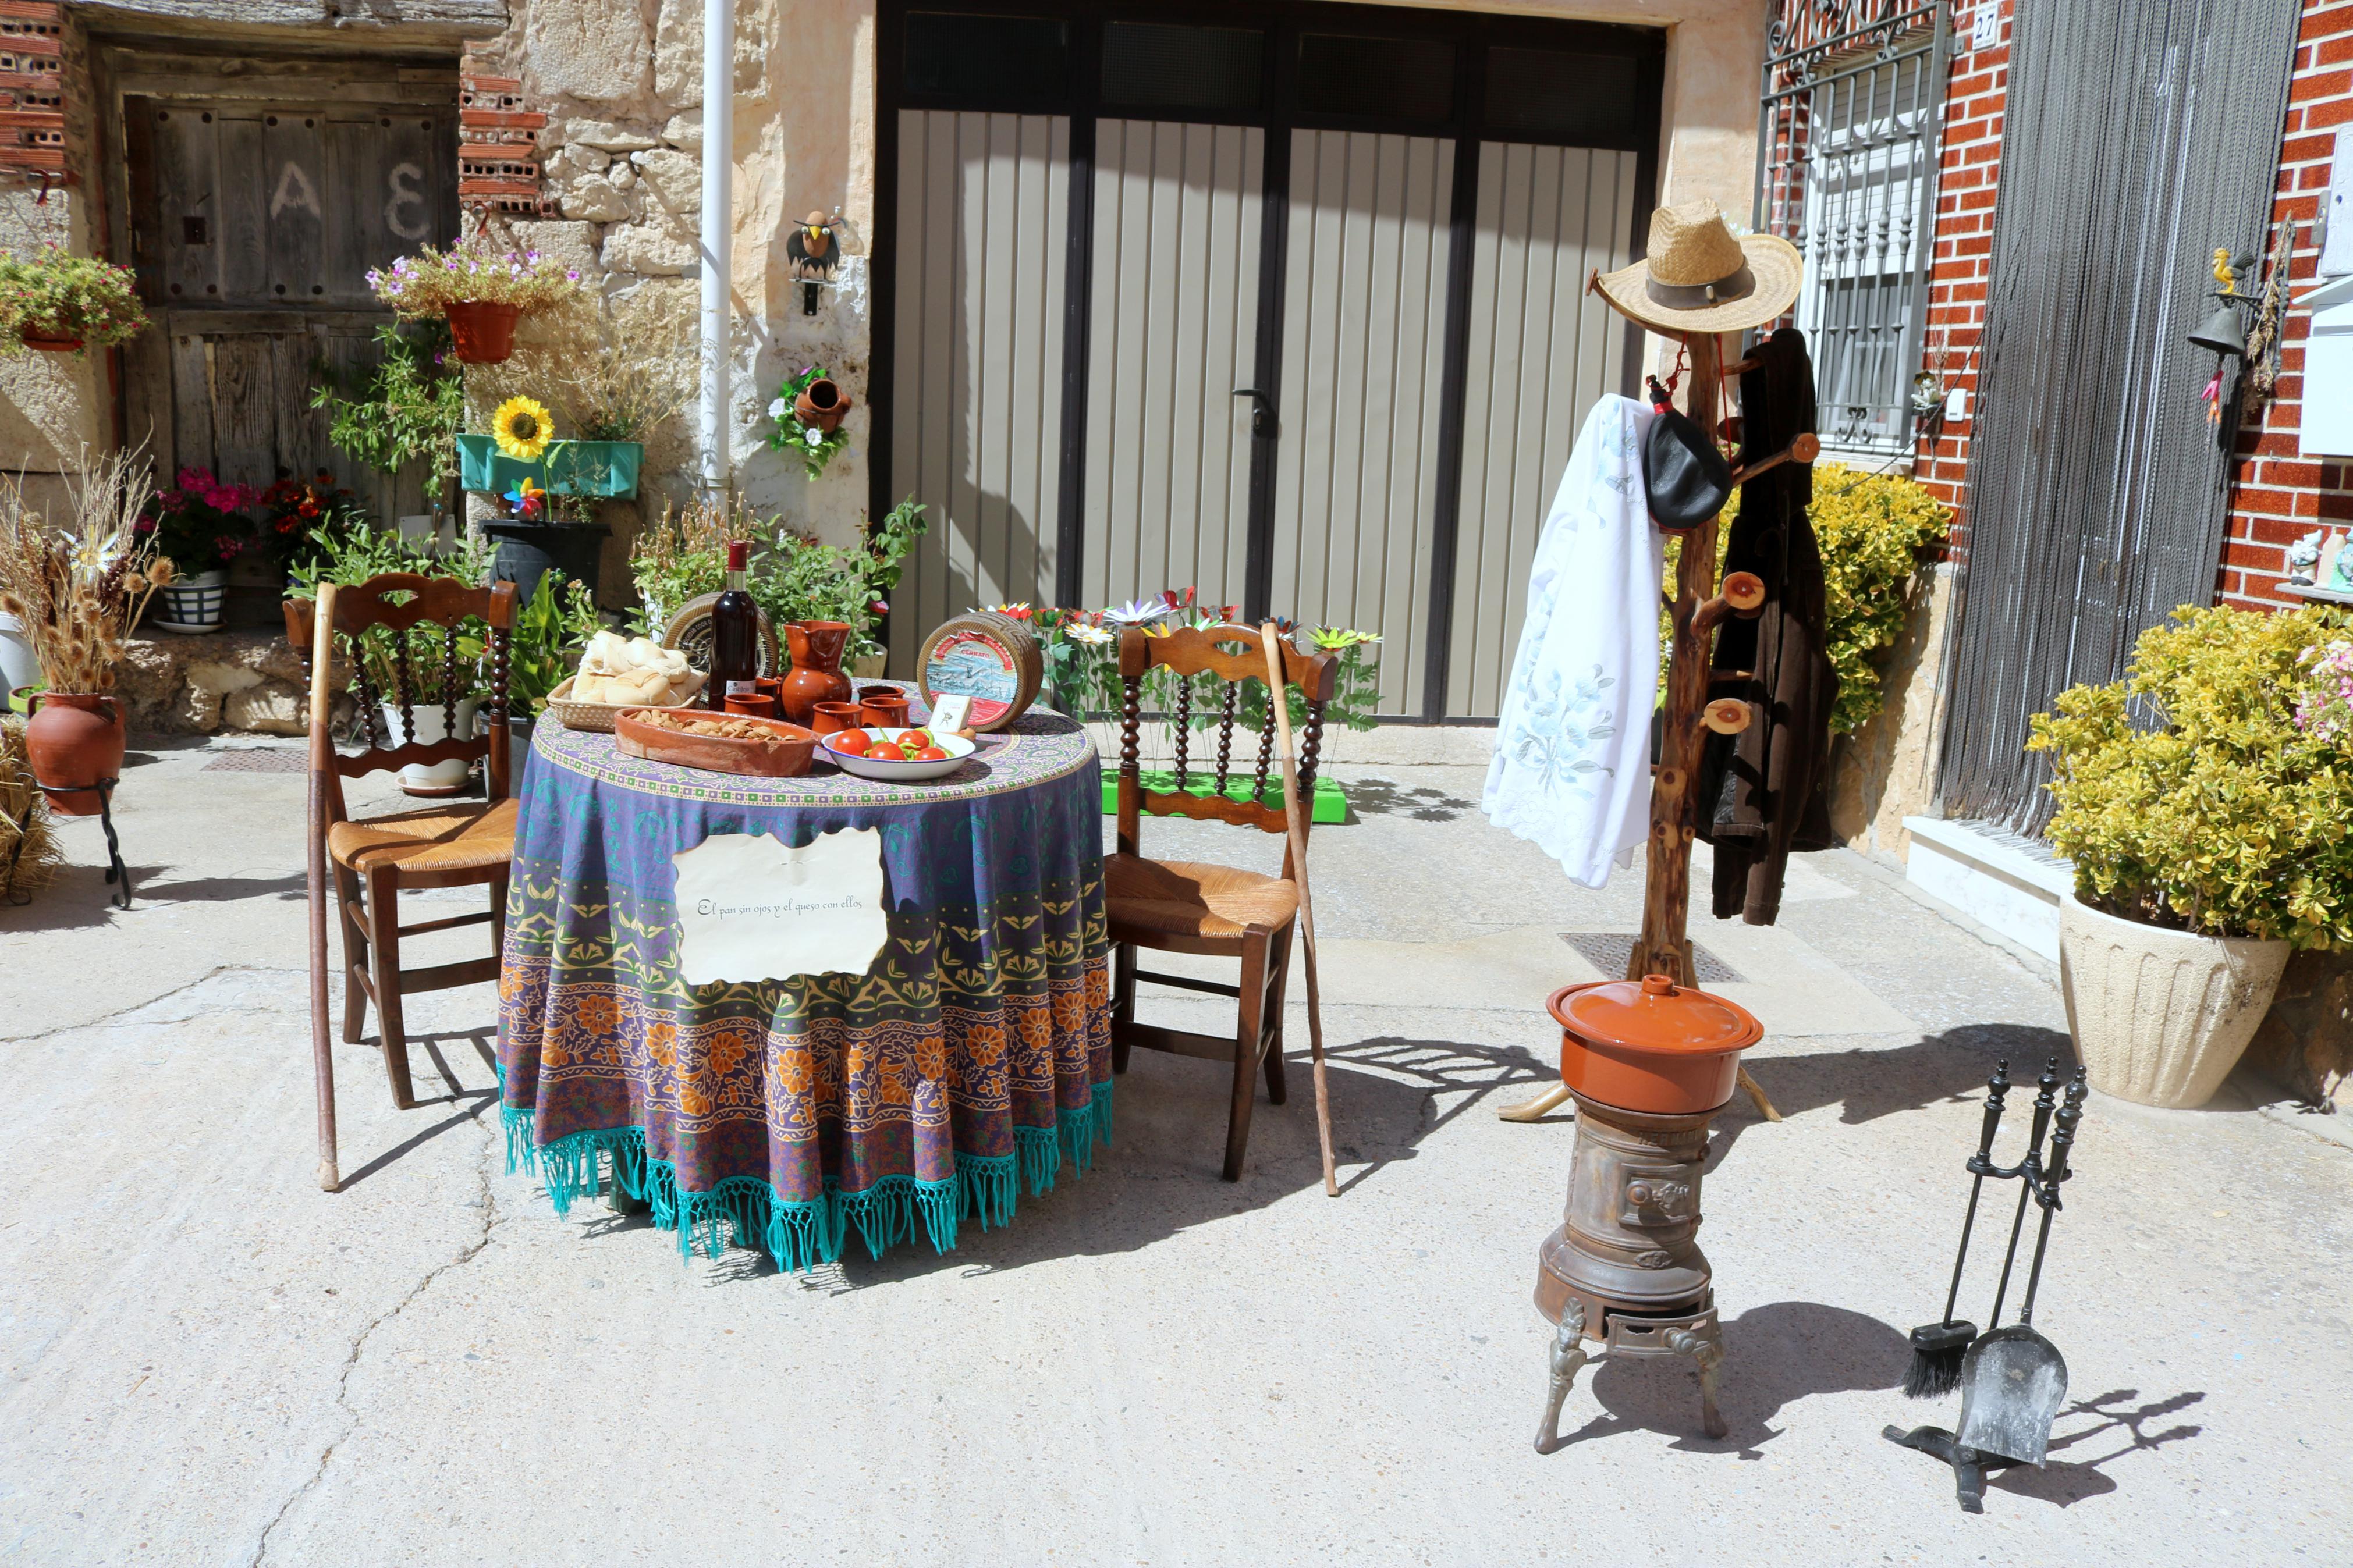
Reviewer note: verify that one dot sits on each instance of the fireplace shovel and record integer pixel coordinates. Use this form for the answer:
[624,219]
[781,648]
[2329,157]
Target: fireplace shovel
[2013,1380]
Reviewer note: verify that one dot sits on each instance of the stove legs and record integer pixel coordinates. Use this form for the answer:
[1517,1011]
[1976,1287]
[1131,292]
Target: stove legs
[1705,1347]
[1569,1358]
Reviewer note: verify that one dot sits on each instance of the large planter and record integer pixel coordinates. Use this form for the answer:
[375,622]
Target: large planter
[607,468]
[48,342]
[528,551]
[431,778]
[192,604]
[482,332]
[74,741]
[2160,1017]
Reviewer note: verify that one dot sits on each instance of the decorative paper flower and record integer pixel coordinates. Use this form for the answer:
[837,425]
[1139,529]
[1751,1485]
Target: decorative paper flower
[524,428]
[1136,612]
[1094,636]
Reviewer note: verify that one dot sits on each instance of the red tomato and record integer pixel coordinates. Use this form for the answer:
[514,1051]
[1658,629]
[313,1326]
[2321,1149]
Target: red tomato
[929,754]
[853,742]
[916,738]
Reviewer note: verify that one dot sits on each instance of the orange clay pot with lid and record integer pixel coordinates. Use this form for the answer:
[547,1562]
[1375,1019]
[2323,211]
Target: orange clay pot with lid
[1650,1045]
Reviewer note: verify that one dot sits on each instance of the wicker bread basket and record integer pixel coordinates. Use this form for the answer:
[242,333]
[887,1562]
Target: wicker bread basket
[599,715]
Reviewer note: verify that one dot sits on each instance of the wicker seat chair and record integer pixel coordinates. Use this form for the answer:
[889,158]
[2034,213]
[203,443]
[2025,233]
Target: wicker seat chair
[372,861]
[1178,906]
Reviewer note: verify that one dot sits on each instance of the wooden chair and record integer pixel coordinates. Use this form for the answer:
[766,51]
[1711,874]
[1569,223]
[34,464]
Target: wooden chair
[1178,906]
[372,861]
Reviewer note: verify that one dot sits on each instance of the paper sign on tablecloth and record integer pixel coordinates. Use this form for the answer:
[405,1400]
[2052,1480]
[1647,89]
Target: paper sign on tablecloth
[752,909]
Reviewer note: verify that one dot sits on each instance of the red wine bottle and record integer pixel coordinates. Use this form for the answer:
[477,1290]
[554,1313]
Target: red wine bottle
[734,633]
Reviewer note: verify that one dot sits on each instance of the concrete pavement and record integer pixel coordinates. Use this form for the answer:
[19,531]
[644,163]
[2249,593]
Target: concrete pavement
[208,1360]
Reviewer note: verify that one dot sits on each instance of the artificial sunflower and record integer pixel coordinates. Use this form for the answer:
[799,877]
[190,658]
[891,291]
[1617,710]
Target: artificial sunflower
[524,428]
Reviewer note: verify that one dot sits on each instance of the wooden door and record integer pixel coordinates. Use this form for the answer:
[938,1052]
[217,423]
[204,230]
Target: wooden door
[254,225]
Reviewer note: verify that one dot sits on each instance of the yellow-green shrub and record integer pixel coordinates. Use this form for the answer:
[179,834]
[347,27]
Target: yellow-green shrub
[1873,529]
[2188,794]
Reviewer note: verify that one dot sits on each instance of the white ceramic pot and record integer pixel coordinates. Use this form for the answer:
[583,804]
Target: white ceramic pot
[2160,1017]
[192,604]
[17,664]
[431,775]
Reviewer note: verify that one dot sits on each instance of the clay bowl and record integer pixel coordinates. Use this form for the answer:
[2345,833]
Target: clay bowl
[1650,1045]
[788,759]
[752,705]
[883,709]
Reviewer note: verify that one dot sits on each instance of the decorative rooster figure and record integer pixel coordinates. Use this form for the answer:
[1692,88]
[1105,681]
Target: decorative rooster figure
[814,250]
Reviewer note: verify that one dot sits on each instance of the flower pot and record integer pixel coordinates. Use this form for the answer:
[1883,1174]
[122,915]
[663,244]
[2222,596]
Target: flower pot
[18,667]
[74,741]
[47,344]
[816,647]
[482,332]
[528,551]
[2159,1016]
[821,404]
[567,467]
[431,778]
[192,606]
[869,666]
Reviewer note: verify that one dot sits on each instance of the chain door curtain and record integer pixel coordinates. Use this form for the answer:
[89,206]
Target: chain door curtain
[2140,136]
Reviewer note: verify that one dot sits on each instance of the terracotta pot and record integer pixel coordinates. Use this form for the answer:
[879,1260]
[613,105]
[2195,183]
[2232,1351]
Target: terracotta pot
[752,704]
[1650,1045]
[2160,1017]
[74,741]
[33,340]
[816,647]
[821,404]
[483,332]
[832,718]
[884,708]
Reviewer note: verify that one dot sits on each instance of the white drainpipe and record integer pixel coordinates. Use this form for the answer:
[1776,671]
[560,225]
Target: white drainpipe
[718,211]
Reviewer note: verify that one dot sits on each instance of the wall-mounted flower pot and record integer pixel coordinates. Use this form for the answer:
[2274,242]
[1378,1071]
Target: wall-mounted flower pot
[567,467]
[483,332]
[47,344]
[821,404]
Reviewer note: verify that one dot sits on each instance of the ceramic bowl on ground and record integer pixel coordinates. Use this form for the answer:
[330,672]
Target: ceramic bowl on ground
[898,772]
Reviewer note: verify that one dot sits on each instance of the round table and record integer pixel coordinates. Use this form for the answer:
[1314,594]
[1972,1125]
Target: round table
[961,1068]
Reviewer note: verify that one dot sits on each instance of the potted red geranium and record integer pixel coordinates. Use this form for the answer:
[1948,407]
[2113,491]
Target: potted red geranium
[199,526]
[294,512]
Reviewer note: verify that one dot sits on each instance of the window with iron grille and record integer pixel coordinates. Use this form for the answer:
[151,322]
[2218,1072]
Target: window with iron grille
[1848,125]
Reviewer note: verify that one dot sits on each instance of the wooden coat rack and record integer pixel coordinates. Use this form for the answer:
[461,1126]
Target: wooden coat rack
[1698,607]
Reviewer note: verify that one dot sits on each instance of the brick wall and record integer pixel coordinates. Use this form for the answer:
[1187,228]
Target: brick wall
[2281,495]
[1966,179]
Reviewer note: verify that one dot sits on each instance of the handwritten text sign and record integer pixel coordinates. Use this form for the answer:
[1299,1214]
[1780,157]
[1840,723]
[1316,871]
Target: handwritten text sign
[752,909]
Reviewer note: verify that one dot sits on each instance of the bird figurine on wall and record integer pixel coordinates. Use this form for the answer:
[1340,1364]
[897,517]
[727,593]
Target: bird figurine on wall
[814,250]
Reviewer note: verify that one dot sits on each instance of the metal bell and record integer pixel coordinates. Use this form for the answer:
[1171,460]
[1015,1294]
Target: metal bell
[2222,335]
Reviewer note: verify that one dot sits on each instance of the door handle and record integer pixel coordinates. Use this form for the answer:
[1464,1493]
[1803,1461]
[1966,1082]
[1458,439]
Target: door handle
[1262,409]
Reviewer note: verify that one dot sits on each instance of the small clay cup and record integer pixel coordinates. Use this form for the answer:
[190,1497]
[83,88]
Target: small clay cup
[774,686]
[885,707]
[753,704]
[832,718]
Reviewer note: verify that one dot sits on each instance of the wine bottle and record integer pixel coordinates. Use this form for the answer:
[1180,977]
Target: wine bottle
[734,633]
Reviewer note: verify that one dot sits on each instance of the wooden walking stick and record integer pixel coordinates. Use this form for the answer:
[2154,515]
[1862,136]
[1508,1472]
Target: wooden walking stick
[1278,694]
[322,760]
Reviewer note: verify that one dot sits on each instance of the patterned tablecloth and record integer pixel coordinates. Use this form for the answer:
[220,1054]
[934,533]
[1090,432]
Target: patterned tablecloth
[964,1065]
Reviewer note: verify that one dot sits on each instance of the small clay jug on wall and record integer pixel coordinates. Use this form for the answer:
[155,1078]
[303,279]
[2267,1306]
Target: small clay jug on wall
[821,404]
[481,330]
[816,647]
[74,741]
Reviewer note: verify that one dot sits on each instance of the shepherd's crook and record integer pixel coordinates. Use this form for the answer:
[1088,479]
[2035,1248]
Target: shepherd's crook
[1280,698]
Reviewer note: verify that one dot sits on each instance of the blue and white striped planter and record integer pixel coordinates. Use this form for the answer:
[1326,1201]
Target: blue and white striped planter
[192,604]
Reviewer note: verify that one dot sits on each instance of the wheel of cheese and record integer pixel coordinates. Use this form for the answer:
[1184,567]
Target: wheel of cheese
[989,657]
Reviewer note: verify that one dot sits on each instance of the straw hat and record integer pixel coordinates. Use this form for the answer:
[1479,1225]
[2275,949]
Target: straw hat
[1700,279]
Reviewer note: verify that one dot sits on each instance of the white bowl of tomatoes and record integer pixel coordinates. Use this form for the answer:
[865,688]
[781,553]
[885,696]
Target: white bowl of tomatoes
[901,756]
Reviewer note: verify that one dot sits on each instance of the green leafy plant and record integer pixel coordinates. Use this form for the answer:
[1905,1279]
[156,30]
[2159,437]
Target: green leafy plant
[354,552]
[473,272]
[408,408]
[791,577]
[543,646]
[815,447]
[53,295]
[2189,795]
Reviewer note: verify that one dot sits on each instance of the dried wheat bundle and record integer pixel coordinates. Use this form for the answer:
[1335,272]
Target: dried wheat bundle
[77,587]
[29,855]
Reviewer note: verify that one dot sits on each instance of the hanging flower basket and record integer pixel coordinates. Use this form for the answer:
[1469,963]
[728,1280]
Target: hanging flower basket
[63,304]
[47,345]
[482,331]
